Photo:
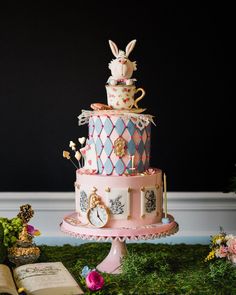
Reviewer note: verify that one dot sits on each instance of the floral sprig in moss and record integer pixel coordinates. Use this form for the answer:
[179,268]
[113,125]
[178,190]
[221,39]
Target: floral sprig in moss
[222,246]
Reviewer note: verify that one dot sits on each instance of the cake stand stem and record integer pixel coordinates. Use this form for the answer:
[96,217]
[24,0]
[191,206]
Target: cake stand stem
[112,263]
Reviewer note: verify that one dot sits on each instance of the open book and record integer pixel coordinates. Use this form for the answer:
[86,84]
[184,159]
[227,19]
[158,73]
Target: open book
[39,279]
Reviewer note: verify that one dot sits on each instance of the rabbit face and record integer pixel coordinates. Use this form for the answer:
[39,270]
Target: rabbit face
[121,67]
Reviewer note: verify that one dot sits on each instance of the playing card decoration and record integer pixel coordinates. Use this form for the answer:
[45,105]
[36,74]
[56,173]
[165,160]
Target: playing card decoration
[77,154]
[82,140]
[90,158]
[67,156]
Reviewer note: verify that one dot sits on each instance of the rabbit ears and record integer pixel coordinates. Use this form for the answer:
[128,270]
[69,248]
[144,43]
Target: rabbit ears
[128,48]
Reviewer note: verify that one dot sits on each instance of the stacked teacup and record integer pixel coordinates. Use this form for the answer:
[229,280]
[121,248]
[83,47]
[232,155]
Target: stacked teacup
[120,86]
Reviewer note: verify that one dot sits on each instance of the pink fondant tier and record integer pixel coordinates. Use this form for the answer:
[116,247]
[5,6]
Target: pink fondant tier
[133,201]
[71,225]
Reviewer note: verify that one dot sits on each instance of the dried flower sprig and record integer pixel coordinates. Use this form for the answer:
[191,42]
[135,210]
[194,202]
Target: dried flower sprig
[222,246]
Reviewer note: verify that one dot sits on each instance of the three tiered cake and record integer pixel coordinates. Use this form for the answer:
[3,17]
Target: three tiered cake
[116,190]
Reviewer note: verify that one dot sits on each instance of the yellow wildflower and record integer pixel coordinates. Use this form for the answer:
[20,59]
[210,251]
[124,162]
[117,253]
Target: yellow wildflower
[210,256]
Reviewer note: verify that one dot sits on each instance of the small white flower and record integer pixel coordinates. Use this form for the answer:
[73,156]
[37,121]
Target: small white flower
[229,237]
[217,253]
[82,140]
[218,241]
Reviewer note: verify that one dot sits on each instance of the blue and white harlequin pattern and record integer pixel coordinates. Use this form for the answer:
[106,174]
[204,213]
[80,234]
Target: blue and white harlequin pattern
[120,167]
[131,147]
[108,147]
[109,166]
[131,127]
[98,125]
[120,126]
[108,126]
[99,146]
[104,130]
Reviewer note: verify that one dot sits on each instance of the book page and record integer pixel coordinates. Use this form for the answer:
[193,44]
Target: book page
[6,281]
[42,276]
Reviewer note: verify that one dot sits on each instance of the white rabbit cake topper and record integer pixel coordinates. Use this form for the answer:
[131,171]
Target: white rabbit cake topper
[121,67]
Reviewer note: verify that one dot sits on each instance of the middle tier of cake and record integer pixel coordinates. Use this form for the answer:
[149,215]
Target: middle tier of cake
[132,201]
[117,138]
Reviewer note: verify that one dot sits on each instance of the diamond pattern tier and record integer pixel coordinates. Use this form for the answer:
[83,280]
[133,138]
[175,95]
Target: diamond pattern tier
[113,155]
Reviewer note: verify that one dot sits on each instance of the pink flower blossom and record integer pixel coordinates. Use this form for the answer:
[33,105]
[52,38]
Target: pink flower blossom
[231,243]
[94,281]
[221,252]
[32,231]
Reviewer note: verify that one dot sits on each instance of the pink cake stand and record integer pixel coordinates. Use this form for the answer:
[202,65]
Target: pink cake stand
[112,263]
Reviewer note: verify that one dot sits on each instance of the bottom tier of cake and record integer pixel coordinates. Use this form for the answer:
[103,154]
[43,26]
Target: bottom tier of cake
[132,201]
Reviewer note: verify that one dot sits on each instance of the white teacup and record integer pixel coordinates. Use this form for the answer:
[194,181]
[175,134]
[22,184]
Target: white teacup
[121,97]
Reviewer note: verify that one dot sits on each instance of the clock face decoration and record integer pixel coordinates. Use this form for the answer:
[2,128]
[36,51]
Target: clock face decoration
[97,214]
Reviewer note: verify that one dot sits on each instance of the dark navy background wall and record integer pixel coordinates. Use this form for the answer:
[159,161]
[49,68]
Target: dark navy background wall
[53,63]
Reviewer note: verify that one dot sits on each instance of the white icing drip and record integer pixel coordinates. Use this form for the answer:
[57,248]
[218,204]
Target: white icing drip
[140,120]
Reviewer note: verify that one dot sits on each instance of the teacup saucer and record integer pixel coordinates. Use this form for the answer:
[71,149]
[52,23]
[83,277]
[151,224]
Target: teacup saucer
[134,110]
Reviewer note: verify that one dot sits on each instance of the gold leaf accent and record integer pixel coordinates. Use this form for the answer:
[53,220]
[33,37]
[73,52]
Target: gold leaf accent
[129,190]
[119,147]
[107,189]
[142,189]
[157,186]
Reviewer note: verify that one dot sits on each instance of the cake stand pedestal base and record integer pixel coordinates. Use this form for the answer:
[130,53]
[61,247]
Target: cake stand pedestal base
[112,263]
[72,226]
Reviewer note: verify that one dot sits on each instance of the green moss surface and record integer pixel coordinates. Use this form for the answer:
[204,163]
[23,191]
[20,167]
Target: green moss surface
[150,269]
